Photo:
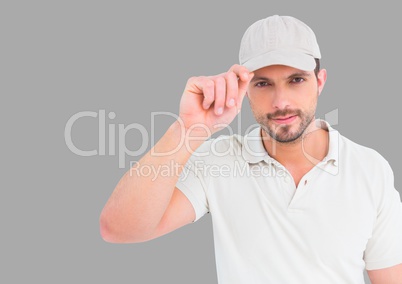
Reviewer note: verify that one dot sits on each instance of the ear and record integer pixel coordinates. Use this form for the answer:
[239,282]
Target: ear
[321,79]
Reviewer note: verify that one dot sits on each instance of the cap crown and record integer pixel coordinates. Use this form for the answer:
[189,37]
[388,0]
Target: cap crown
[283,35]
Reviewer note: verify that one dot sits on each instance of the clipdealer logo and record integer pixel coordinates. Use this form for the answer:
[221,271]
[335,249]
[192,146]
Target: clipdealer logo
[107,139]
[114,130]
[108,132]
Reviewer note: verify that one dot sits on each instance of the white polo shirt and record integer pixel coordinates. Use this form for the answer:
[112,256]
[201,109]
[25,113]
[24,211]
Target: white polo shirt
[344,216]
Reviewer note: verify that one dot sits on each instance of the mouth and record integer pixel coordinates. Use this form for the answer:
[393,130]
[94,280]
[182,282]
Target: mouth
[284,120]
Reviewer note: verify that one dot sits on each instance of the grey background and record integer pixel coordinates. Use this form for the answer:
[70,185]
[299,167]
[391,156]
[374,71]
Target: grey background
[62,57]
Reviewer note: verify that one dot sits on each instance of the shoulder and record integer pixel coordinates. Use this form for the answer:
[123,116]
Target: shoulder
[362,160]
[221,146]
[359,153]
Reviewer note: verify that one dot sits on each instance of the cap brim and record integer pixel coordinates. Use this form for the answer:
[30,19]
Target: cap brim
[293,59]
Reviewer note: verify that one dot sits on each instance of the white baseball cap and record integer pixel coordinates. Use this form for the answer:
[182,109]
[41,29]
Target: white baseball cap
[279,40]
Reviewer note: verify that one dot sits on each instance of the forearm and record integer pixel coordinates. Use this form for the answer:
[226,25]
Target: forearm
[390,275]
[141,197]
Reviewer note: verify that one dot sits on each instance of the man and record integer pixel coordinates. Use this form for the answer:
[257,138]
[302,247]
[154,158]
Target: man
[291,202]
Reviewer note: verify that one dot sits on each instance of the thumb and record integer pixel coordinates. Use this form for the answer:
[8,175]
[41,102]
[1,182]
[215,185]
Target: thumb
[243,86]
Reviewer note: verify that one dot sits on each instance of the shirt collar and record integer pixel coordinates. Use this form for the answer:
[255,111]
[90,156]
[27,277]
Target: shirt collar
[253,150]
[333,150]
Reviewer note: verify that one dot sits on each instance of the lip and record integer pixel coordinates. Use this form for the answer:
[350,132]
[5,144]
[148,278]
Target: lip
[285,120]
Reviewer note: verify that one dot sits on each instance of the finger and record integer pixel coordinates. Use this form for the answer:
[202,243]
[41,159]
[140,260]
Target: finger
[204,88]
[241,72]
[231,89]
[208,89]
[220,95]
[243,85]
[195,85]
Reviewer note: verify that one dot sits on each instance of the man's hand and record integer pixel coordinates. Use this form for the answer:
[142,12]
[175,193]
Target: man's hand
[213,102]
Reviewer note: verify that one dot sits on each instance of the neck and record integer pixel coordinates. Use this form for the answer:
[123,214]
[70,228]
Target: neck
[308,150]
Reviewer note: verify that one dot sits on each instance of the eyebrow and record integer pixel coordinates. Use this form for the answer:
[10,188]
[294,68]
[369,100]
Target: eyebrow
[299,74]
[291,76]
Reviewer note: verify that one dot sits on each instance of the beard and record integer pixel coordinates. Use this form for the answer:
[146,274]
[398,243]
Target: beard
[285,133]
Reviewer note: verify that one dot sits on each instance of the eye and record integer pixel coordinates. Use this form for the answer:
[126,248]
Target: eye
[261,84]
[297,80]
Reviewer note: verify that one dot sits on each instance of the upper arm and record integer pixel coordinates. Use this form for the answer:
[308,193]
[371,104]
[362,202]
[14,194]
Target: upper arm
[384,248]
[179,212]
[389,275]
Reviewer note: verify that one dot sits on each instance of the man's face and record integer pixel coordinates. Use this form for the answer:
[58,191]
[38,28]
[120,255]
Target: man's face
[284,100]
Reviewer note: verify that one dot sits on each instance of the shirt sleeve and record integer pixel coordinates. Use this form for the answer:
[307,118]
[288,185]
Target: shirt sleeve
[384,248]
[193,186]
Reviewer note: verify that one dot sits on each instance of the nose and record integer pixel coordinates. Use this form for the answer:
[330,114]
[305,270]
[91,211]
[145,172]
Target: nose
[281,98]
